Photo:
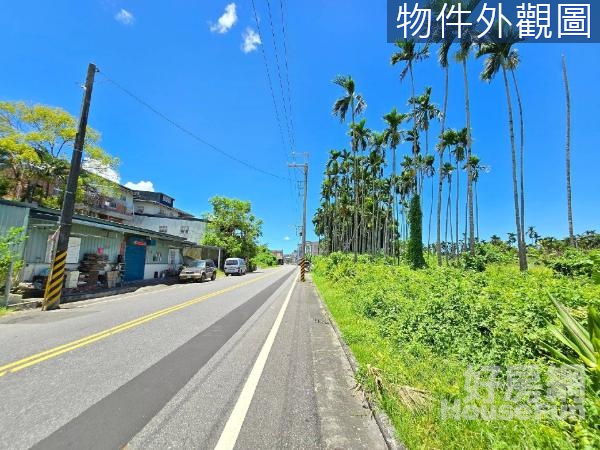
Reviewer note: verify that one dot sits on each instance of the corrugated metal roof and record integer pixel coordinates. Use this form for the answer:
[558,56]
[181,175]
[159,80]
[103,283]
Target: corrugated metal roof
[52,215]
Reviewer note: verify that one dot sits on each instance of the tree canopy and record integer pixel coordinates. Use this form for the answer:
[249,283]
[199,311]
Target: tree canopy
[36,142]
[233,227]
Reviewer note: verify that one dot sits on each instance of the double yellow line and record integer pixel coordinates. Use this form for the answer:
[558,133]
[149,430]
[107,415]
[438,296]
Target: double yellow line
[37,358]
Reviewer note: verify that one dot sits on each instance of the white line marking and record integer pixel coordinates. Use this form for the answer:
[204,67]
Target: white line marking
[238,415]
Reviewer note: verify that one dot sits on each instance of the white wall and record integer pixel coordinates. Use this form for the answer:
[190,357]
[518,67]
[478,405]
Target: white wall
[196,228]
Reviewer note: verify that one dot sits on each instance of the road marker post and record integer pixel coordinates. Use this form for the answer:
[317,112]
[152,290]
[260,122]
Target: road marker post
[302,269]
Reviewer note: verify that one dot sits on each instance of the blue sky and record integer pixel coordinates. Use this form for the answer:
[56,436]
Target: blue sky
[180,58]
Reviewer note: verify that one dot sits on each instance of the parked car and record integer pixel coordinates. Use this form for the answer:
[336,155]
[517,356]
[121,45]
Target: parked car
[235,266]
[200,270]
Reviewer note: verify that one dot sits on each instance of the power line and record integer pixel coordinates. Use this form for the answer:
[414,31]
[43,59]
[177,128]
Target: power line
[188,132]
[276,52]
[272,91]
[287,69]
[269,80]
[287,76]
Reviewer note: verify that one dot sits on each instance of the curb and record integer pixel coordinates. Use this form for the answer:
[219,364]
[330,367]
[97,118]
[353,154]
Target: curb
[383,422]
[73,298]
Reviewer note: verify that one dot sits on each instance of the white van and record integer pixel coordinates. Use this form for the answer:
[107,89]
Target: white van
[235,266]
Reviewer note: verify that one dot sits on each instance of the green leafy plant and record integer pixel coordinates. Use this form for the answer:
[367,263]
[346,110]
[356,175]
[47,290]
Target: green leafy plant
[9,243]
[264,258]
[413,332]
[595,257]
[414,252]
[585,344]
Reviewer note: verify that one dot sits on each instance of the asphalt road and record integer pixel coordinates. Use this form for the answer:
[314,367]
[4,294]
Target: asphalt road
[241,362]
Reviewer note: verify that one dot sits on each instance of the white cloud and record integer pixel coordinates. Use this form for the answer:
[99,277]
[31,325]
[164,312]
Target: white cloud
[226,21]
[251,40]
[102,170]
[287,238]
[124,17]
[140,186]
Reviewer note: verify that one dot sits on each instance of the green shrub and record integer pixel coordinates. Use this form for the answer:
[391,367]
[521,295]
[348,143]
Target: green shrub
[263,258]
[571,262]
[9,244]
[488,253]
[422,328]
[414,252]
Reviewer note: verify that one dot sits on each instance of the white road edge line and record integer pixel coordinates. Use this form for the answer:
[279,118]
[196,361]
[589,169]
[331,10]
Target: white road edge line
[238,415]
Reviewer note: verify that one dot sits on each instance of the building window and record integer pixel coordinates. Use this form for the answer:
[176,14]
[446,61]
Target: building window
[162,228]
[185,229]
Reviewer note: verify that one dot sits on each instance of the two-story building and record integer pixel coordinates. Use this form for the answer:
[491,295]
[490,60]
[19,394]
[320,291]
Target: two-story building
[112,202]
[155,211]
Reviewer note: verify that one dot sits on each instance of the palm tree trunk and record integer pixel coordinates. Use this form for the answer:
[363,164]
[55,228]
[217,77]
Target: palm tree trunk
[374,219]
[430,214]
[449,217]
[457,205]
[431,205]
[394,198]
[466,224]
[415,143]
[476,209]
[522,252]
[471,236]
[354,151]
[438,244]
[521,155]
[568,154]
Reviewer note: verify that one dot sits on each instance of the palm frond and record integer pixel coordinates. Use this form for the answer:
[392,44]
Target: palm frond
[340,108]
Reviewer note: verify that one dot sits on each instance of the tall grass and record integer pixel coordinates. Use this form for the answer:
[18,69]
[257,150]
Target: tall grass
[417,331]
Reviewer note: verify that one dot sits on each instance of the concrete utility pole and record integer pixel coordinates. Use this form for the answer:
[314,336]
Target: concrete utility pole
[303,248]
[55,281]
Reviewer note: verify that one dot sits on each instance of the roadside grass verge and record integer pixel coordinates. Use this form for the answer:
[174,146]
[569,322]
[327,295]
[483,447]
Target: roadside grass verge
[409,377]
[3,311]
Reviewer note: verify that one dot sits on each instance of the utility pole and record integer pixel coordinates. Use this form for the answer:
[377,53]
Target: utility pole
[55,281]
[302,255]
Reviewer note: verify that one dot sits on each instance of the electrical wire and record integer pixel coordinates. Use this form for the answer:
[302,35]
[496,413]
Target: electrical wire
[272,91]
[287,69]
[287,75]
[188,132]
[268,72]
[276,52]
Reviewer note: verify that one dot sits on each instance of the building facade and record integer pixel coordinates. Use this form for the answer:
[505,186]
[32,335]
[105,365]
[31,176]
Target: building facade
[114,203]
[312,248]
[155,211]
[139,253]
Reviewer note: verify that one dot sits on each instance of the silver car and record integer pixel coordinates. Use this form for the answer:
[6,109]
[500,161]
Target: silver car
[235,266]
[200,271]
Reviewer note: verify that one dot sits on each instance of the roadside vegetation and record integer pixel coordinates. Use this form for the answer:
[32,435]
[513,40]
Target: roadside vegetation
[9,245]
[421,297]
[264,258]
[415,332]
[36,142]
[233,227]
